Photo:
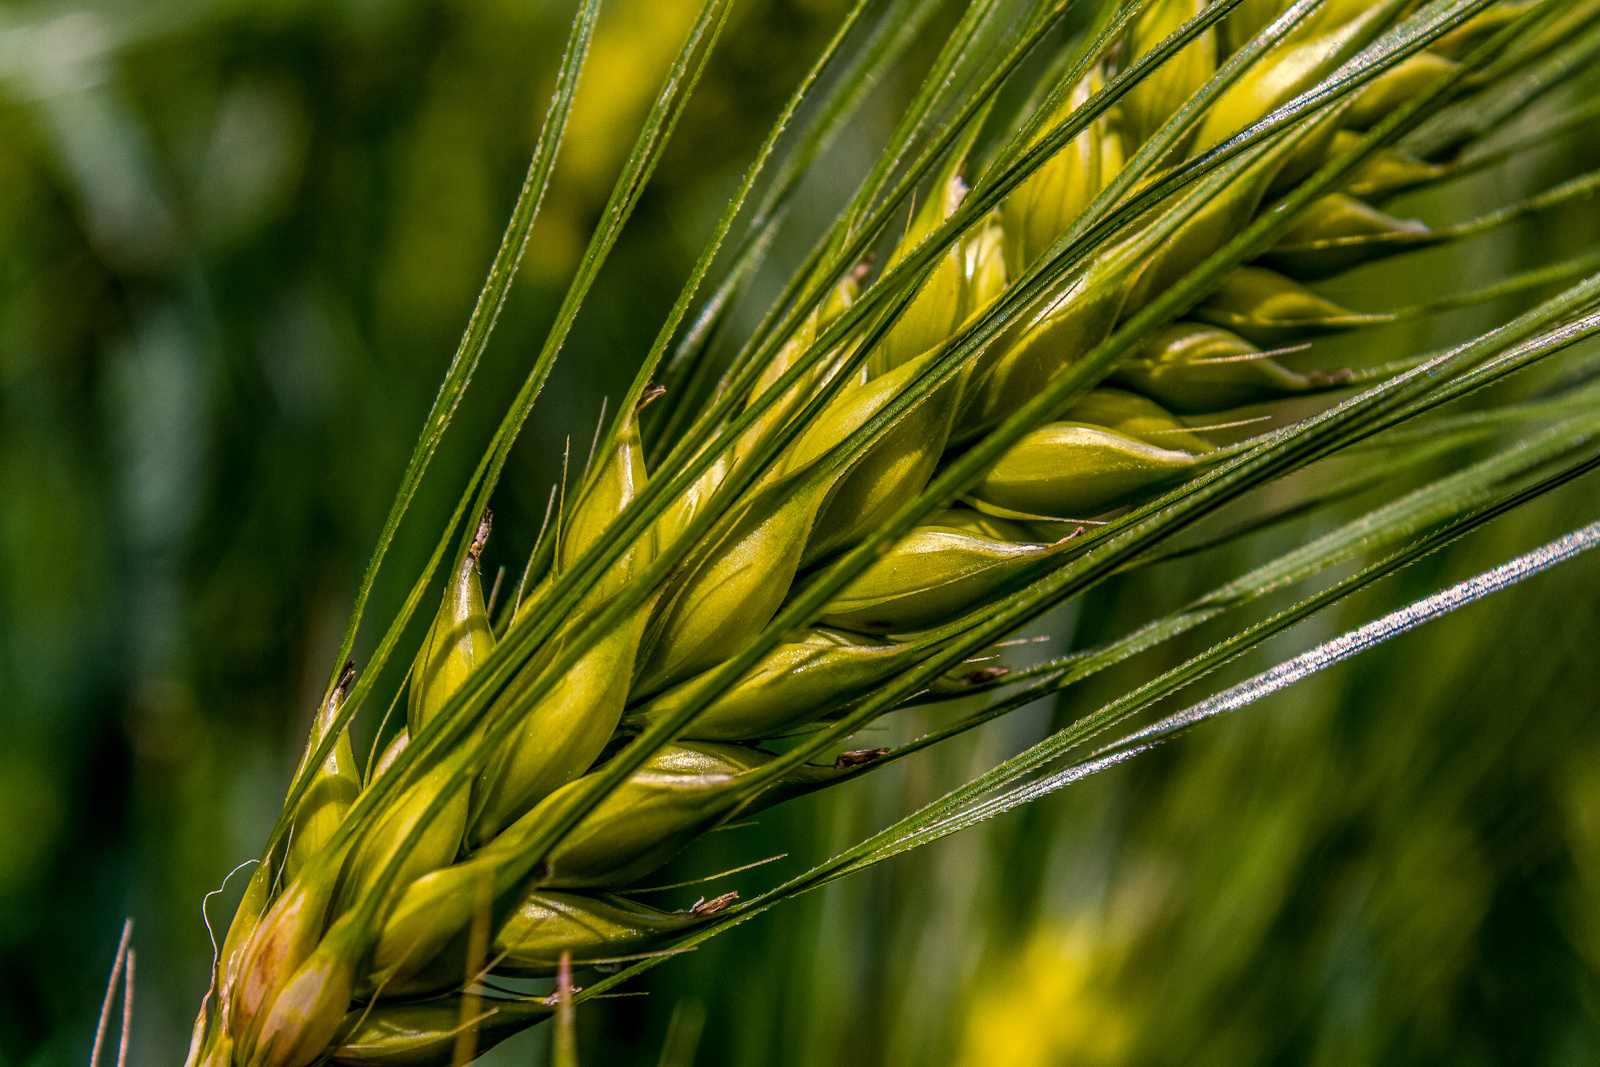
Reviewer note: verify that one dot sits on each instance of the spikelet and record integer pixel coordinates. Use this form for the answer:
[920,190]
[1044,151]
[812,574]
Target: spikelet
[1054,195]
[1267,308]
[617,480]
[1334,33]
[1133,415]
[276,950]
[574,718]
[937,572]
[1116,448]
[936,309]
[1324,241]
[1193,369]
[1386,171]
[333,789]
[897,466]
[1158,97]
[458,641]
[1020,364]
[310,1007]
[1410,78]
[1065,471]
[789,687]
[678,794]
[788,405]
[888,474]
[543,924]
[734,582]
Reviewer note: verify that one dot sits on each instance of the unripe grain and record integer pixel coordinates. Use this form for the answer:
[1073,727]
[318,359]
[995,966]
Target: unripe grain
[1313,247]
[1267,308]
[932,575]
[560,736]
[1195,369]
[789,687]
[333,789]
[1067,471]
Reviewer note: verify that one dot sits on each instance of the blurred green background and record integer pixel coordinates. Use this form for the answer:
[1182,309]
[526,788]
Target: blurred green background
[238,243]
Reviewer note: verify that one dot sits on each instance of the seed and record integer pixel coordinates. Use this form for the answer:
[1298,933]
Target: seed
[331,792]
[1386,171]
[286,936]
[619,479]
[1312,249]
[1195,369]
[1208,228]
[309,1009]
[437,845]
[678,794]
[1067,471]
[1019,365]
[546,924]
[1159,96]
[789,687]
[1043,206]
[936,309]
[1136,416]
[892,471]
[681,512]
[561,735]
[241,932]
[543,925]
[1330,36]
[932,575]
[779,414]
[433,913]
[391,752]
[730,587]
[563,732]
[458,640]
[1263,306]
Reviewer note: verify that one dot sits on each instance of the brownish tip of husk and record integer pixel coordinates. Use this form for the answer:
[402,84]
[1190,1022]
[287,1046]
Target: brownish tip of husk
[481,537]
[985,675]
[342,686]
[652,392]
[704,907]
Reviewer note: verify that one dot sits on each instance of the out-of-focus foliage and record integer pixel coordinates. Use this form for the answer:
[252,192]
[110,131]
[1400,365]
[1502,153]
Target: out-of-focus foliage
[237,245]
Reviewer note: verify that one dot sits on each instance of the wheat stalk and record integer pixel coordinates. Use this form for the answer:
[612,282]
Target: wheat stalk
[901,466]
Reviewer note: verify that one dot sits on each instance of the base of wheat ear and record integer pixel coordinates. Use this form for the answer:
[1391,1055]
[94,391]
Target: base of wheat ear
[1019,326]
